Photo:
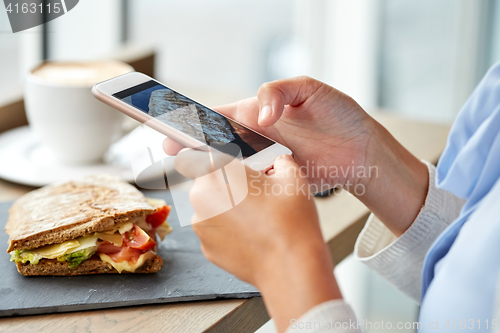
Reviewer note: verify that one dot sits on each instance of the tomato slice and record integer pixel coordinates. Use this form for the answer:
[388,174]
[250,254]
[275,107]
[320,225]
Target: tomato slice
[126,254]
[108,248]
[138,239]
[158,217]
[119,254]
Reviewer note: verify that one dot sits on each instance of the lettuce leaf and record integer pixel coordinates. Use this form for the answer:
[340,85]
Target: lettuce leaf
[24,256]
[76,258]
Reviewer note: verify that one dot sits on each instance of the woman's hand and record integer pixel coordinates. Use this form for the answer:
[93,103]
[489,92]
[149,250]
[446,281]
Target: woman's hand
[337,144]
[271,239]
[321,125]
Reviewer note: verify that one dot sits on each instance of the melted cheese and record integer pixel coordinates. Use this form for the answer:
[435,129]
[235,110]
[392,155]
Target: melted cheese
[56,250]
[126,227]
[85,242]
[125,265]
[163,230]
[144,225]
[115,238]
[156,203]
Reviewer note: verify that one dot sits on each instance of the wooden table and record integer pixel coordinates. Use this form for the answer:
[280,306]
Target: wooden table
[341,216]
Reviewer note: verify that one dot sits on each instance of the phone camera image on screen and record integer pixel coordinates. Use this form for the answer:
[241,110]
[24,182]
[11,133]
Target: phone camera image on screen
[192,118]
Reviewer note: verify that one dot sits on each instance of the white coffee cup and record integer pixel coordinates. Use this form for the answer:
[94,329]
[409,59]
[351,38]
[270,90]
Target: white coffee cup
[70,122]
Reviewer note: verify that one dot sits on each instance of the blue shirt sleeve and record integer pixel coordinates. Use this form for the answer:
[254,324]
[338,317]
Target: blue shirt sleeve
[470,164]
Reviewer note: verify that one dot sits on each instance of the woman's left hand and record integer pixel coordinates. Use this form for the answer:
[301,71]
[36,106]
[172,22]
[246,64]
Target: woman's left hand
[270,239]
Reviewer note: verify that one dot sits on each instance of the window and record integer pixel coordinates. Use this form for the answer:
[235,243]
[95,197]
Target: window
[91,30]
[10,50]
[220,44]
[432,55]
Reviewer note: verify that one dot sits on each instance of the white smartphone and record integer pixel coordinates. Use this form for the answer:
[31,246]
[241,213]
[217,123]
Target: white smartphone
[184,120]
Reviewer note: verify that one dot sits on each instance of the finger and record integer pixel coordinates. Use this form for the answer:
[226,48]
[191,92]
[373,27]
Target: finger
[245,112]
[171,147]
[273,96]
[229,110]
[219,191]
[192,163]
[196,163]
[285,167]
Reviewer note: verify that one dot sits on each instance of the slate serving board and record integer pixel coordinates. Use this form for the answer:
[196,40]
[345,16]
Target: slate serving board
[186,276]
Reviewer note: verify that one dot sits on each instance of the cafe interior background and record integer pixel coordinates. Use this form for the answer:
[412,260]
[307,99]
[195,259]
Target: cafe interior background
[415,58]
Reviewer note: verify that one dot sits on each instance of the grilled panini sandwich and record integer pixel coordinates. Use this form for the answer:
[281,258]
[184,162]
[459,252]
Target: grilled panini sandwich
[95,225]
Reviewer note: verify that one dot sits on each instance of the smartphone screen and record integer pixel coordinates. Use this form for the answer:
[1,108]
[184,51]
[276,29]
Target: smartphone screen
[192,118]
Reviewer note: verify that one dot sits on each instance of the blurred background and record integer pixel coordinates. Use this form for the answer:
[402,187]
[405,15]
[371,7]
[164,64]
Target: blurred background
[420,58]
[417,58]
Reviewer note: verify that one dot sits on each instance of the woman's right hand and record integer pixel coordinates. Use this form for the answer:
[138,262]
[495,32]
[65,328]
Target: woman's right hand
[337,144]
[327,130]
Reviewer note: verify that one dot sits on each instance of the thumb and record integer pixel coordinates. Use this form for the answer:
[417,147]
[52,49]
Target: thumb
[273,96]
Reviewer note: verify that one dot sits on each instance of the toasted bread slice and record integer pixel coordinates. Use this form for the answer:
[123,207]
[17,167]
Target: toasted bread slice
[93,265]
[65,211]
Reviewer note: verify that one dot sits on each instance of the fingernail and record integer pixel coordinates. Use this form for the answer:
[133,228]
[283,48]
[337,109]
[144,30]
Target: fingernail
[266,112]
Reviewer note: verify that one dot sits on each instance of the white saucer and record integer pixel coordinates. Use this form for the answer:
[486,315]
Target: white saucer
[24,160]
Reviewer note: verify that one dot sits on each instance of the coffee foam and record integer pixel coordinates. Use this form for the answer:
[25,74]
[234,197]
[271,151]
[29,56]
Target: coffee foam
[80,73]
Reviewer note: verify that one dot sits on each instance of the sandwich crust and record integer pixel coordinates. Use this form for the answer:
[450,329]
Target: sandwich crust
[65,211]
[94,265]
